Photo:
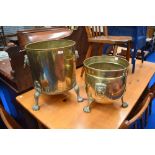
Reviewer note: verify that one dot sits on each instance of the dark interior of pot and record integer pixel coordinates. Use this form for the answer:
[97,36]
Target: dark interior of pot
[50,45]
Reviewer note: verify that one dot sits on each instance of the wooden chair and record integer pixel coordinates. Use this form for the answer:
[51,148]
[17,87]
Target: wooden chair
[99,35]
[9,122]
[151,90]
[137,113]
[149,111]
[93,32]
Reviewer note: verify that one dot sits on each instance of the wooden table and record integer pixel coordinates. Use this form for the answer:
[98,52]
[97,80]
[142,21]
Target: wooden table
[62,111]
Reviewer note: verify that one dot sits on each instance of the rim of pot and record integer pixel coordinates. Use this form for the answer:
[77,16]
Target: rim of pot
[118,70]
[72,43]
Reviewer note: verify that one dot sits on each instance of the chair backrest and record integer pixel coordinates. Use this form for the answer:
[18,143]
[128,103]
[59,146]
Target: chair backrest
[138,114]
[9,122]
[94,31]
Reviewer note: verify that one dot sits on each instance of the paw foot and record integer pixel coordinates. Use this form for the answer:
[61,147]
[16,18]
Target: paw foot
[79,99]
[124,104]
[36,107]
[86,109]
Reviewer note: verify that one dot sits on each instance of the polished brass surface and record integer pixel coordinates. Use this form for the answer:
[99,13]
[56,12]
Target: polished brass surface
[53,65]
[105,78]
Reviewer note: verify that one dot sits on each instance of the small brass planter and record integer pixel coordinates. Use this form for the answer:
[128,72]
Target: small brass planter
[53,66]
[105,78]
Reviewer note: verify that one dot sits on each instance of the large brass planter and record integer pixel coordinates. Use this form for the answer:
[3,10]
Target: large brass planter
[105,78]
[53,65]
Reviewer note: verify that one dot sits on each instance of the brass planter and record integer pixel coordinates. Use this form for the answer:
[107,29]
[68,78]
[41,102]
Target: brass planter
[105,78]
[53,66]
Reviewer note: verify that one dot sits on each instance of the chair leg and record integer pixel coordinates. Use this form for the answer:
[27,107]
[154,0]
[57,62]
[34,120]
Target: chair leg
[133,66]
[150,108]
[82,71]
[134,60]
[89,52]
[146,116]
[128,51]
[142,53]
[100,51]
[135,125]
[141,123]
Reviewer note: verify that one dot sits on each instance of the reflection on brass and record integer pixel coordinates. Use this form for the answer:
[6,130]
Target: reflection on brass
[53,65]
[105,78]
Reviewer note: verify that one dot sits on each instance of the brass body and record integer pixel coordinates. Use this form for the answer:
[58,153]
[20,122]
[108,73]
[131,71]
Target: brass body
[105,78]
[53,66]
